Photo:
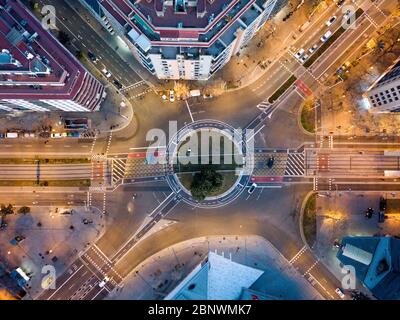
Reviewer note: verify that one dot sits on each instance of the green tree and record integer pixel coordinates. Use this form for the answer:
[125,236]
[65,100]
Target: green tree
[205,183]
[6,209]
[24,210]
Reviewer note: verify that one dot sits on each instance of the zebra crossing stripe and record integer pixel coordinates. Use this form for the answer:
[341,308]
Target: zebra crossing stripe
[295,164]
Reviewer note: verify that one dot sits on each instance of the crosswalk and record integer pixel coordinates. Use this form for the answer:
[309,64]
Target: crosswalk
[118,169]
[263,105]
[295,165]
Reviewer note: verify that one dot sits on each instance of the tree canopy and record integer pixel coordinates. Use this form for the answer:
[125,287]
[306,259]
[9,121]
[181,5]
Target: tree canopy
[205,183]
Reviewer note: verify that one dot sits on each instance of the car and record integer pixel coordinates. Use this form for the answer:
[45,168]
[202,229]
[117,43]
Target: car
[369,212]
[304,58]
[336,243]
[331,21]
[106,73]
[2,135]
[326,36]
[171,96]
[299,54]
[188,152]
[117,84]
[348,14]
[271,161]
[313,49]
[92,57]
[340,293]
[252,188]
[340,3]
[104,282]
[56,135]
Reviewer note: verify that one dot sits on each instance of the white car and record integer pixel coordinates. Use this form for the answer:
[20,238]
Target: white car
[106,73]
[171,96]
[56,135]
[252,188]
[340,293]
[299,54]
[348,14]
[326,36]
[104,282]
[330,21]
[304,58]
[313,49]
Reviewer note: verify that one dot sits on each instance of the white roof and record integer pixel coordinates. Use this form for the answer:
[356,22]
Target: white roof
[357,254]
[216,279]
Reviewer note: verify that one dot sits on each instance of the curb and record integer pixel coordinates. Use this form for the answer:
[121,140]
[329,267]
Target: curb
[299,112]
[303,205]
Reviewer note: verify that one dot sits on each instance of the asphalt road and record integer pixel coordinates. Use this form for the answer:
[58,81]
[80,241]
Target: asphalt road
[272,216]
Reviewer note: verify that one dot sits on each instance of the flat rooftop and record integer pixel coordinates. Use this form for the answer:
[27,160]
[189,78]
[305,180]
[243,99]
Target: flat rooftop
[174,12]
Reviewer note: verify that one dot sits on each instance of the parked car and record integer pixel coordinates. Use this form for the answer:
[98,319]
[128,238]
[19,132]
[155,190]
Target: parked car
[340,3]
[313,49]
[11,135]
[304,58]
[299,54]
[106,73]
[118,84]
[92,57]
[330,21]
[2,135]
[326,36]
[171,96]
[252,188]
[348,14]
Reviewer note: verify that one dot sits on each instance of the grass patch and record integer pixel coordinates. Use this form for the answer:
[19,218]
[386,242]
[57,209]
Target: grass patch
[308,115]
[310,220]
[44,160]
[330,41]
[289,82]
[229,180]
[45,183]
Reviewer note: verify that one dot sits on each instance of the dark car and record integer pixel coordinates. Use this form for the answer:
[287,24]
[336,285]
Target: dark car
[271,161]
[92,56]
[369,212]
[117,84]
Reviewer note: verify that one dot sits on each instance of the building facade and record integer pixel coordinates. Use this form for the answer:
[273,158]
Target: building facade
[384,95]
[185,39]
[36,72]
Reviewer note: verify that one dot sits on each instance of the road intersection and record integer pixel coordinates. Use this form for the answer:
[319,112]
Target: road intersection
[304,163]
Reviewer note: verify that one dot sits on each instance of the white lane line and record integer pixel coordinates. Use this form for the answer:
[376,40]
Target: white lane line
[190,112]
[65,282]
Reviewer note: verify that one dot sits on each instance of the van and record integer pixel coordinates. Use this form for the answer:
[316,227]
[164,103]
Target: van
[11,135]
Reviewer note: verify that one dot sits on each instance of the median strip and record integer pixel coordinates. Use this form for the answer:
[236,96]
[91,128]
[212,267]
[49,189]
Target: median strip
[282,89]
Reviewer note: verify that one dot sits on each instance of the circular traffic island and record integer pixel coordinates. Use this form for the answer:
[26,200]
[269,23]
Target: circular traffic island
[207,162]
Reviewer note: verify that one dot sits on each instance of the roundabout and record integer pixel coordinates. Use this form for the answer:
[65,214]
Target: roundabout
[196,148]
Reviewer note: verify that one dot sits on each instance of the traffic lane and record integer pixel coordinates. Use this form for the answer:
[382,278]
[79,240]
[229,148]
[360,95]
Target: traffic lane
[65,197]
[127,214]
[234,219]
[69,283]
[358,187]
[88,38]
[64,147]
[97,293]
[73,270]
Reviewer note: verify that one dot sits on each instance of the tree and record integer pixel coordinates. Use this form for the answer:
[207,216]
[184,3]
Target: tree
[24,210]
[205,183]
[7,209]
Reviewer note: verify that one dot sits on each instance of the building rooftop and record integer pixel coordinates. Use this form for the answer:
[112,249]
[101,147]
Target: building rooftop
[33,64]
[164,22]
[216,278]
[380,273]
